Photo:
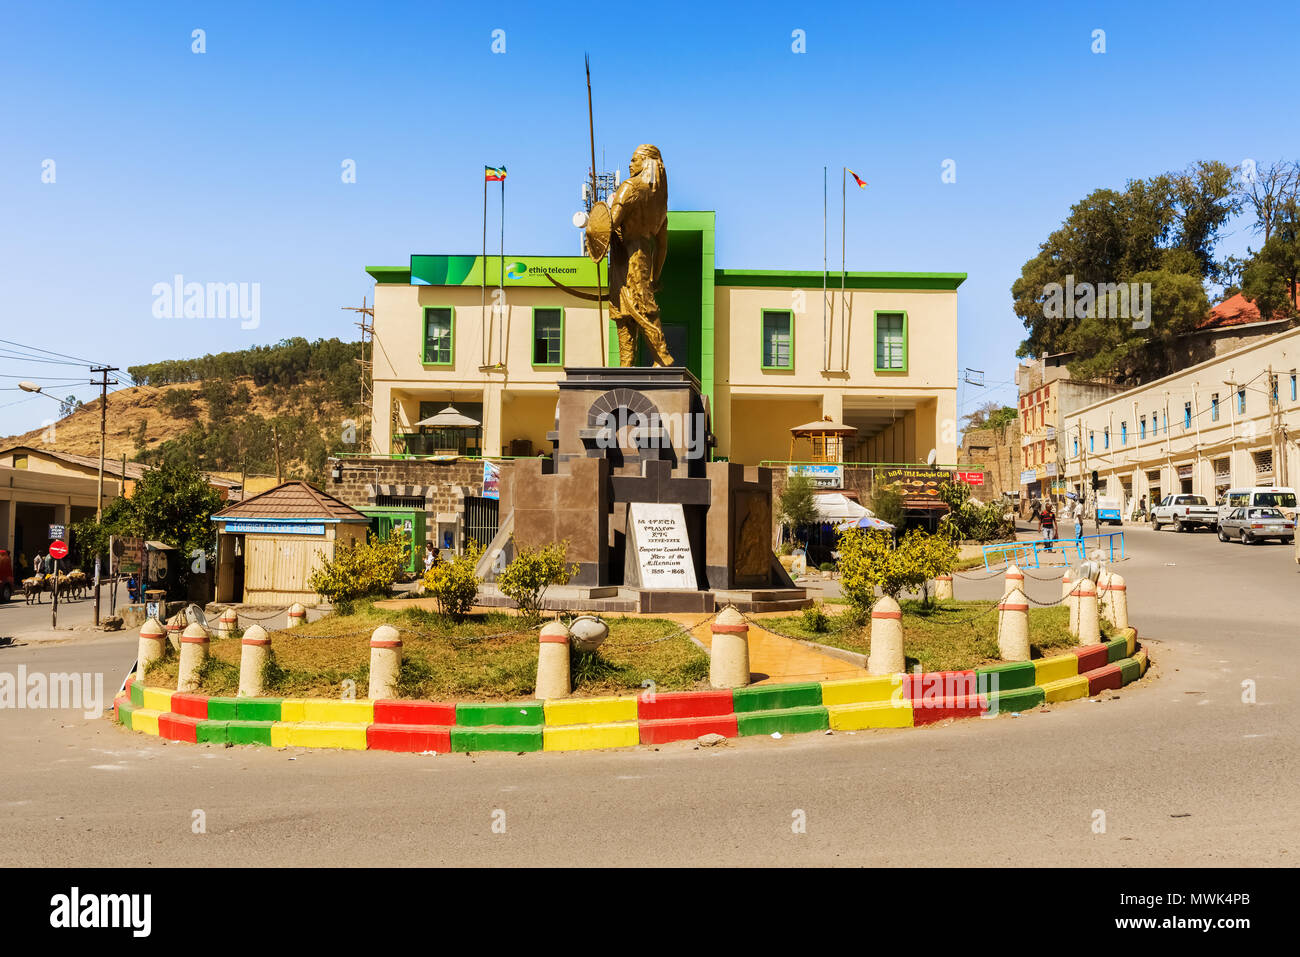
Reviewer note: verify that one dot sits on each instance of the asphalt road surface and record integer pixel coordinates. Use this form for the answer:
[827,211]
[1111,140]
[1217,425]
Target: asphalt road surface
[1185,772]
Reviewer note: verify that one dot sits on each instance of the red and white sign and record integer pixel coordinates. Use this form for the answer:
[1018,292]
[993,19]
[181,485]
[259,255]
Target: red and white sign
[58,549]
[971,478]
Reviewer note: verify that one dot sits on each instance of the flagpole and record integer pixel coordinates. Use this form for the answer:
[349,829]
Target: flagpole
[485,326]
[843,259]
[826,339]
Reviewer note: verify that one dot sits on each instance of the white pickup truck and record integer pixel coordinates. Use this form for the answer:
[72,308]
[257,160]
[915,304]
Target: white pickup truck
[1184,512]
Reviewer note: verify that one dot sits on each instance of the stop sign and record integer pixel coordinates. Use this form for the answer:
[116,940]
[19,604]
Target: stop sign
[58,549]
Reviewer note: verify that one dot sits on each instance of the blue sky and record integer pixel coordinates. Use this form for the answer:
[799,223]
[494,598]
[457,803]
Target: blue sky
[225,166]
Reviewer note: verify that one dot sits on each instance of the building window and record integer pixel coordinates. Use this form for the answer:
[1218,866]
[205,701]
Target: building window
[20,461]
[891,342]
[778,339]
[1092,441]
[1076,448]
[1123,433]
[1293,387]
[1214,407]
[1142,427]
[1187,415]
[438,335]
[548,337]
[1166,421]
[1105,437]
[1241,400]
[1155,423]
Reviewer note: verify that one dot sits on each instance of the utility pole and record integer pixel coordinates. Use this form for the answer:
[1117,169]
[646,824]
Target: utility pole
[275,439]
[103,384]
[367,327]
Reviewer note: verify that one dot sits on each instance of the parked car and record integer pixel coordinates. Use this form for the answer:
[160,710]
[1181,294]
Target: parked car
[1251,525]
[1108,511]
[1184,512]
[1261,496]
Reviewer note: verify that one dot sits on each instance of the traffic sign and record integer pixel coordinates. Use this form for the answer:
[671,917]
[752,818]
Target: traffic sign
[58,550]
[58,532]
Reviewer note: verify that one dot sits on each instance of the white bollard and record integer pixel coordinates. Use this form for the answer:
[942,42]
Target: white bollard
[228,622]
[297,615]
[553,661]
[1014,578]
[1089,630]
[194,651]
[385,662]
[255,649]
[151,647]
[174,629]
[1114,600]
[729,652]
[886,656]
[1066,582]
[943,588]
[1013,627]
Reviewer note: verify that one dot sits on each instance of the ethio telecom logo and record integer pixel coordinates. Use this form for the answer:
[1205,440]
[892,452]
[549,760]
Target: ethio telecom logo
[516,270]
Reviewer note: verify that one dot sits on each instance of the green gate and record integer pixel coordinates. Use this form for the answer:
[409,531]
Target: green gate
[410,521]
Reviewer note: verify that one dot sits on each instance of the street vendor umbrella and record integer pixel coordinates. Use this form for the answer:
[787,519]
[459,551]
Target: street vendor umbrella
[450,418]
[868,522]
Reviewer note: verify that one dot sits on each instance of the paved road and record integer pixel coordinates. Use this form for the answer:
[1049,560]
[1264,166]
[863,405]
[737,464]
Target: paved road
[17,618]
[1186,773]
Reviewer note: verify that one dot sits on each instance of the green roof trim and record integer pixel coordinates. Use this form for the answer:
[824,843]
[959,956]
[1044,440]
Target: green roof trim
[400,275]
[810,278]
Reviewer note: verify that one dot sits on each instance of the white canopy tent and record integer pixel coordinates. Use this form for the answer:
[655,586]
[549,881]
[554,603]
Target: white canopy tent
[835,508]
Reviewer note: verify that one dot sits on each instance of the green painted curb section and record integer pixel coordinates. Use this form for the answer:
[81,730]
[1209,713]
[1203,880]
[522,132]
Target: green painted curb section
[1115,650]
[210,732]
[777,697]
[785,720]
[523,714]
[222,709]
[1130,669]
[496,739]
[255,709]
[124,712]
[249,732]
[1019,699]
[1012,676]
[137,694]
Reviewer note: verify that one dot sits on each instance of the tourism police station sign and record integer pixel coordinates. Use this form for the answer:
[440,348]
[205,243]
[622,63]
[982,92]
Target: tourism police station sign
[273,528]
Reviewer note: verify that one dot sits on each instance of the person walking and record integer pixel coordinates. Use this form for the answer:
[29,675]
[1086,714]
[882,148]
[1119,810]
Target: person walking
[1047,524]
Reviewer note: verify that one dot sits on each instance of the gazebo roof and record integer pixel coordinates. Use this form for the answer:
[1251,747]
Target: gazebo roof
[824,427]
[290,501]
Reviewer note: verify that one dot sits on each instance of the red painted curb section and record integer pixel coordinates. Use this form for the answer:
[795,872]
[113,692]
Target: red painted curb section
[1105,679]
[426,713]
[684,704]
[190,705]
[1091,657]
[408,738]
[178,727]
[966,706]
[683,729]
[933,685]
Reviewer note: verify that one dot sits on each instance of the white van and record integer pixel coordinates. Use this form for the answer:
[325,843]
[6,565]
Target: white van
[1275,496]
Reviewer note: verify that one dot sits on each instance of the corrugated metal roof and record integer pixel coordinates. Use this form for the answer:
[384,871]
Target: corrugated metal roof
[292,500]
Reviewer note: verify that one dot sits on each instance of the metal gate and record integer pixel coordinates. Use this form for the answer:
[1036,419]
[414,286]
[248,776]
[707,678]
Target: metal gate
[481,519]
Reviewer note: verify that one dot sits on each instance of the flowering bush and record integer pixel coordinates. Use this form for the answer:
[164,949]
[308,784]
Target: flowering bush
[361,569]
[525,580]
[869,560]
[453,585]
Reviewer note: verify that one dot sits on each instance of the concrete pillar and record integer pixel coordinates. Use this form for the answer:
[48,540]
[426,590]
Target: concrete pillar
[1113,597]
[943,588]
[1072,603]
[228,622]
[174,628]
[1013,627]
[297,615]
[1014,578]
[886,638]
[729,653]
[194,651]
[255,649]
[553,661]
[385,662]
[1066,583]
[1089,630]
[152,645]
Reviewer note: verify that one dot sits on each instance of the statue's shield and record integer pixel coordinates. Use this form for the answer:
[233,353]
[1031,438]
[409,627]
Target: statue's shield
[600,226]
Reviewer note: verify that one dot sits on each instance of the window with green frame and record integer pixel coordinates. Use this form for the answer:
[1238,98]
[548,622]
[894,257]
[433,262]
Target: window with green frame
[891,342]
[778,339]
[548,336]
[438,335]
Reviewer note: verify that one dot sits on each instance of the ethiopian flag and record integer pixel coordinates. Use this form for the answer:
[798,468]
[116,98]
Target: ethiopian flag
[495,174]
[862,183]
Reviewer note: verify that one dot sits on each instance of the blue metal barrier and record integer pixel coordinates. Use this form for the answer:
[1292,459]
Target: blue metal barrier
[1026,554]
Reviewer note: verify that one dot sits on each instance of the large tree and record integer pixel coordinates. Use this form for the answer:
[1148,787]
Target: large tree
[1162,231]
[1271,275]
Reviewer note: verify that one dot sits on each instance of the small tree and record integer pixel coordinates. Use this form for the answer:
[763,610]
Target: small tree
[869,560]
[525,580]
[887,504]
[796,506]
[453,585]
[361,570]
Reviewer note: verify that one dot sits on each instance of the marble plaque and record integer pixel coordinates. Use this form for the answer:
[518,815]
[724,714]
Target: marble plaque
[659,550]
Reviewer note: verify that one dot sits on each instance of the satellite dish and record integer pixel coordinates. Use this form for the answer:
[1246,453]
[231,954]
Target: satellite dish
[932,457]
[580,219]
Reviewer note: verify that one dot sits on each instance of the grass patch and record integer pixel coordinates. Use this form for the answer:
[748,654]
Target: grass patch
[485,656]
[947,636]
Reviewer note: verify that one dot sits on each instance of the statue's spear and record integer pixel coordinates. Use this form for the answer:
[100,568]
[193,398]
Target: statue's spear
[591,129]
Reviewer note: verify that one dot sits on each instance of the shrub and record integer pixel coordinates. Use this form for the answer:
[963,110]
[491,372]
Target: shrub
[453,585]
[361,570]
[815,619]
[869,560]
[827,566]
[887,504]
[525,580]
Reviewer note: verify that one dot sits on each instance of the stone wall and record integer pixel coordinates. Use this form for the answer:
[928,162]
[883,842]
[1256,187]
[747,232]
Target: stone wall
[442,485]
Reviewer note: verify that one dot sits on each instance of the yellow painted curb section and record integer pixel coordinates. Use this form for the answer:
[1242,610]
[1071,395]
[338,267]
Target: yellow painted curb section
[861,691]
[587,737]
[590,711]
[332,711]
[1048,670]
[145,719]
[874,714]
[1066,689]
[1130,639]
[1143,662]
[157,699]
[319,735]
[293,710]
